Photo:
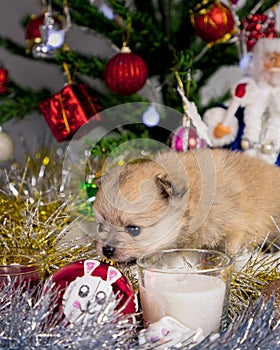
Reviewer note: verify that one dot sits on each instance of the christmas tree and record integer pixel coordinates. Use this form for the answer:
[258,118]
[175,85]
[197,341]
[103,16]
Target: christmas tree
[170,39]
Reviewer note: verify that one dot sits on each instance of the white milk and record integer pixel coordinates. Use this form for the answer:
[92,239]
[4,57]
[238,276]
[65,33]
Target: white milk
[194,300]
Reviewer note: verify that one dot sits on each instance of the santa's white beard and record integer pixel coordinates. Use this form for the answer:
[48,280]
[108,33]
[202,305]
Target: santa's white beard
[272,76]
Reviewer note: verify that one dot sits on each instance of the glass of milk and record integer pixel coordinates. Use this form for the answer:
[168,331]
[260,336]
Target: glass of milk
[190,285]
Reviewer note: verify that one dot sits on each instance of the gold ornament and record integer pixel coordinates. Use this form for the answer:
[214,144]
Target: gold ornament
[245,144]
[268,148]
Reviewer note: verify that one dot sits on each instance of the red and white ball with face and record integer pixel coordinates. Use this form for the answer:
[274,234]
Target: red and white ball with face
[86,287]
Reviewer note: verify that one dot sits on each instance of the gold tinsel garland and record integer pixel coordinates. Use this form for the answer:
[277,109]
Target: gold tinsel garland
[258,269]
[34,215]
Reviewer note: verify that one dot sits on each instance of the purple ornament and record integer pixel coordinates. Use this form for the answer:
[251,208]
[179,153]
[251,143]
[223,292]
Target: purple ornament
[184,138]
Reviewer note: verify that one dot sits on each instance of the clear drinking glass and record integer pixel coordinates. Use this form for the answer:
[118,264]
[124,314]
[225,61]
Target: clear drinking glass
[21,266]
[191,285]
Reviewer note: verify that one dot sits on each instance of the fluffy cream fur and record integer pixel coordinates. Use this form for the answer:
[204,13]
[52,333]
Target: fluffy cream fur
[204,199]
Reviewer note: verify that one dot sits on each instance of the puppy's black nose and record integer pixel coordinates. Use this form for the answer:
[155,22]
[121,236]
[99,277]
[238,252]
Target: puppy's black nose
[108,251]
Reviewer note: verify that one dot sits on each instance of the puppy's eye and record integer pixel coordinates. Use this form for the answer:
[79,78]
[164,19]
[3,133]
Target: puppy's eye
[100,227]
[133,230]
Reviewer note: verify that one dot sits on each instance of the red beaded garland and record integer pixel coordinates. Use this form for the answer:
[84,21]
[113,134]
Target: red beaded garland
[257,26]
[212,21]
[126,73]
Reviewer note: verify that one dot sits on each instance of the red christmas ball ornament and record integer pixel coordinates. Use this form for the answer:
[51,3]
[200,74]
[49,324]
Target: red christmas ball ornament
[213,22]
[184,138]
[4,80]
[86,287]
[126,73]
[33,32]
[257,26]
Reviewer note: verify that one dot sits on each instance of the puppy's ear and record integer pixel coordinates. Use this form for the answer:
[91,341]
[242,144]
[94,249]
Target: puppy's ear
[167,188]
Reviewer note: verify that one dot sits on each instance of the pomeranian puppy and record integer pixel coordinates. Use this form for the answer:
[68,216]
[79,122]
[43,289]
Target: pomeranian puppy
[215,199]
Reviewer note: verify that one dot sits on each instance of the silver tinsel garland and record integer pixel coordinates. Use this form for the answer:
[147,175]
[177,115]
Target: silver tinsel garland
[29,320]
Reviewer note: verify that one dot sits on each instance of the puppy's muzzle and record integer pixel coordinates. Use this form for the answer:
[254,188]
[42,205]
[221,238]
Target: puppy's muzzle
[108,251]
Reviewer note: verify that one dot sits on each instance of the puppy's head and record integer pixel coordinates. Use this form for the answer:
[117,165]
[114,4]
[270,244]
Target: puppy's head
[137,210]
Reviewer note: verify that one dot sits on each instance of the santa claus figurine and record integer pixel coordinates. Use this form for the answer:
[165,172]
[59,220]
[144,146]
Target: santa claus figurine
[251,121]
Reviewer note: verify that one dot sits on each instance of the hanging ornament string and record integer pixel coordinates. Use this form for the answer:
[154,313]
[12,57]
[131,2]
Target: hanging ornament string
[188,87]
[181,90]
[64,116]
[70,82]
[67,16]
[70,78]
[48,6]
[126,36]
[190,111]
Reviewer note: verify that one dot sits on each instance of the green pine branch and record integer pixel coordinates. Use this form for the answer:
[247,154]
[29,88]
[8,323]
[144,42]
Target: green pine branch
[84,64]
[12,47]
[19,102]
